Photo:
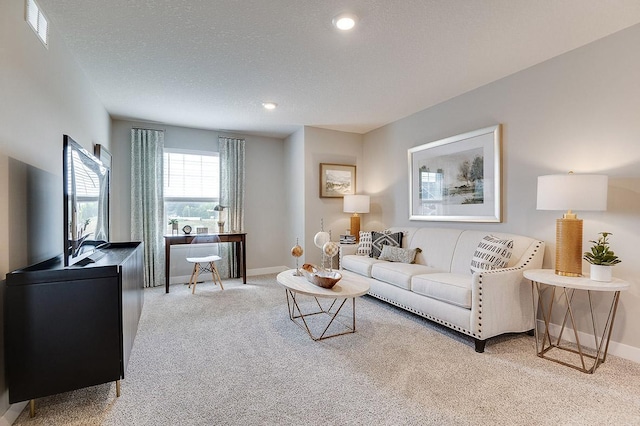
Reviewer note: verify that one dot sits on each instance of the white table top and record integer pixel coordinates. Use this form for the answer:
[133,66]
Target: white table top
[347,287]
[549,277]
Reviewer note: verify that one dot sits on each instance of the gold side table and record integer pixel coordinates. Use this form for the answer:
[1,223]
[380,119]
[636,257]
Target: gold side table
[543,280]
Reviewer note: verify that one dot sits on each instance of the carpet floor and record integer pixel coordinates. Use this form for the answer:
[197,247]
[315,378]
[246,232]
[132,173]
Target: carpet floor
[234,357]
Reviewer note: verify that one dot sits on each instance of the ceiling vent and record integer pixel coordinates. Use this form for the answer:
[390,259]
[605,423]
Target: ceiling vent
[37,21]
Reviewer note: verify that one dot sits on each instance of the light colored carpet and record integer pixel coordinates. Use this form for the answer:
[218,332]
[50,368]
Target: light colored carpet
[233,357]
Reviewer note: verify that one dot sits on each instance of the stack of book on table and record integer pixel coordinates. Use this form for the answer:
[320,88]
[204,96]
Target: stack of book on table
[347,239]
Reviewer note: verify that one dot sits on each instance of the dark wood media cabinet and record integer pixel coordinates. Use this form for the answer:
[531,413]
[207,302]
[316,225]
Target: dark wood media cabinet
[71,327]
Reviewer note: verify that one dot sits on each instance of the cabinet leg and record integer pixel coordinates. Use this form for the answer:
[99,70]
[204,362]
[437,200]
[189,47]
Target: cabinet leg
[32,408]
[117,388]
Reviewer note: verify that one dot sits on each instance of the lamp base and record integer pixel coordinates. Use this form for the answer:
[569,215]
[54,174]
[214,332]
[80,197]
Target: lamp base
[569,247]
[355,226]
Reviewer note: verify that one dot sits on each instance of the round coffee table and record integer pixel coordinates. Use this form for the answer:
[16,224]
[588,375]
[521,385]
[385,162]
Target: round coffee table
[346,288]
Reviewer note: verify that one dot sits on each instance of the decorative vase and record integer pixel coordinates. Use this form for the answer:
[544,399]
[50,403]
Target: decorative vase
[174,228]
[220,227]
[600,273]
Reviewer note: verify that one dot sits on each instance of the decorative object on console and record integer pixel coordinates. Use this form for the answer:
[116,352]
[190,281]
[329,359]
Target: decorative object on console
[330,249]
[297,251]
[571,192]
[321,238]
[174,226]
[601,258]
[457,178]
[380,239]
[320,276]
[356,204]
[202,230]
[221,217]
[187,229]
[492,253]
[337,180]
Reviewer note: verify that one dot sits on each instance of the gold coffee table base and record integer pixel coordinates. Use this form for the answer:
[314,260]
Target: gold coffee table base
[300,318]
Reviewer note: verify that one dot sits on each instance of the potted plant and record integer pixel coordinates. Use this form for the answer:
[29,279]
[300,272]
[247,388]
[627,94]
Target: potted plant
[601,258]
[174,225]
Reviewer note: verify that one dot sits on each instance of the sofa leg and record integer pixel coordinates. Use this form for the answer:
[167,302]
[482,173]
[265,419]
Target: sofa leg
[531,332]
[480,345]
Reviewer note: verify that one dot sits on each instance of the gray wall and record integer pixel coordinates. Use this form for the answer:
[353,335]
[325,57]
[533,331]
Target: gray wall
[579,111]
[264,202]
[44,94]
[327,146]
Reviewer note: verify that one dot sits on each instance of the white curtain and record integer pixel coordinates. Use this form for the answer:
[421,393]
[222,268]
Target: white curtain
[147,204]
[232,195]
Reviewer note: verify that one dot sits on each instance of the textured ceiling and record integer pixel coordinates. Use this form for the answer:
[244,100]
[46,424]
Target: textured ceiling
[211,63]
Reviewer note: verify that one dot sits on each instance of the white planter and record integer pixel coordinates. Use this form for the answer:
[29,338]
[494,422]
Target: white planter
[600,273]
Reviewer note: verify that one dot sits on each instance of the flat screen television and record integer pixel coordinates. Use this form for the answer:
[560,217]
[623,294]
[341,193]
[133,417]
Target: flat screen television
[86,202]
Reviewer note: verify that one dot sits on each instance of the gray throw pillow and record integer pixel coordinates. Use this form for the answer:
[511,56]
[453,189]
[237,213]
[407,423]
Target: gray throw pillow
[380,239]
[398,254]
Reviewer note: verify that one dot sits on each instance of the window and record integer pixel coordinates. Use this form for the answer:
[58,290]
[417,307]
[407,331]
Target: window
[191,188]
[36,19]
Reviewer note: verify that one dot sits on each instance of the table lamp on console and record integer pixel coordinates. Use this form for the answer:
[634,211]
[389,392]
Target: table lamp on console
[571,192]
[356,204]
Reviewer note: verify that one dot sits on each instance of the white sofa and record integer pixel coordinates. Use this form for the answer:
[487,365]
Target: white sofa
[439,286]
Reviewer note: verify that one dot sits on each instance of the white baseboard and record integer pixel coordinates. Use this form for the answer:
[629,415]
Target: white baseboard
[181,279]
[12,413]
[586,339]
[265,271]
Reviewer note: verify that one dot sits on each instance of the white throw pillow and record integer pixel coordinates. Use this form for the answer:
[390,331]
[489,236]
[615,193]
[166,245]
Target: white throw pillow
[492,253]
[364,246]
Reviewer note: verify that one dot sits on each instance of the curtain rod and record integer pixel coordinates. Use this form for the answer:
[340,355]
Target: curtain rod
[146,128]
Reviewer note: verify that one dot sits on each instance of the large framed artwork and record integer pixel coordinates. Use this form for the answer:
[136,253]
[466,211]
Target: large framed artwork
[337,180]
[457,178]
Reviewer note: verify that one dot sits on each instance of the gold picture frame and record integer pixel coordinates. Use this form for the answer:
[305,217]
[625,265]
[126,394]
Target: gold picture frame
[337,180]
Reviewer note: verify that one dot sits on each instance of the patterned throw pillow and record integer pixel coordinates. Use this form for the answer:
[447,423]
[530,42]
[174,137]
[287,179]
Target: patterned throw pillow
[364,246]
[397,254]
[379,239]
[492,253]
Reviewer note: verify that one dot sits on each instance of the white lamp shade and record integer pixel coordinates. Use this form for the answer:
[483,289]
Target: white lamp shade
[356,204]
[572,192]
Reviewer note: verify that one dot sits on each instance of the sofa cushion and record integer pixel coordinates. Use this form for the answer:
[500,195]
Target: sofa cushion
[358,264]
[447,287]
[364,246]
[380,239]
[398,254]
[491,253]
[398,274]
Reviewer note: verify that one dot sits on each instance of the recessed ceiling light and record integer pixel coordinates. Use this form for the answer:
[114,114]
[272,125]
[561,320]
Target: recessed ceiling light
[269,105]
[345,21]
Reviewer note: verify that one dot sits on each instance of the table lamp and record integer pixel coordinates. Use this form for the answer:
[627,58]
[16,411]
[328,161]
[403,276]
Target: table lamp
[571,192]
[356,204]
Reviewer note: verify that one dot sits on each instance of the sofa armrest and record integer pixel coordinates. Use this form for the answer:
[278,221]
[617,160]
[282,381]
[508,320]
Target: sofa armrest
[347,249]
[502,300]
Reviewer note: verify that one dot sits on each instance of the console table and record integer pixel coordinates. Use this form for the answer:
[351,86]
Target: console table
[545,279]
[238,238]
[72,327]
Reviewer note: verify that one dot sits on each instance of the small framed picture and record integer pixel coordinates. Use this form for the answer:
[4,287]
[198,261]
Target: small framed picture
[337,180]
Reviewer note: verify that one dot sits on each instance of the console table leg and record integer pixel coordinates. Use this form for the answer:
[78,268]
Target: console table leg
[117,388]
[32,408]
